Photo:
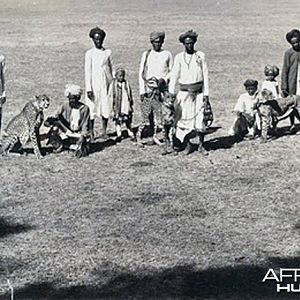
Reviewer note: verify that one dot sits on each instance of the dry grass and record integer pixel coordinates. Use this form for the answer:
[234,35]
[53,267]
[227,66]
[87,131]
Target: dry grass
[126,222]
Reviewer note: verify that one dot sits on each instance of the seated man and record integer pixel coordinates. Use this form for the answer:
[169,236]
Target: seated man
[247,118]
[71,127]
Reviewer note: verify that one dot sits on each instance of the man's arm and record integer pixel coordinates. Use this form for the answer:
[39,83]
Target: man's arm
[285,74]
[88,75]
[174,75]
[2,80]
[141,74]
[205,77]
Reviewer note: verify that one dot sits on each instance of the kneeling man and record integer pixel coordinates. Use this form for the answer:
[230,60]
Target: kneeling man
[71,126]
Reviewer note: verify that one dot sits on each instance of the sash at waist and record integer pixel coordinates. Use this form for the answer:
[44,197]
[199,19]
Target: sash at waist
[196,87]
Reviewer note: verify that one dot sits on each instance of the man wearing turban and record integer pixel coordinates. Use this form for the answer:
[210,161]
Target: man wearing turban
[247,117]
[98,76]
[71,126]
[290,77]
[155,66]
[190,69]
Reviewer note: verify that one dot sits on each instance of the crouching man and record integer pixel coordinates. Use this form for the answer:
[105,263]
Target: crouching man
[71,127]
[247,119]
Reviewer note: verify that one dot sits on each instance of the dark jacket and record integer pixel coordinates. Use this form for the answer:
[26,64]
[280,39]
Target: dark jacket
[289,72]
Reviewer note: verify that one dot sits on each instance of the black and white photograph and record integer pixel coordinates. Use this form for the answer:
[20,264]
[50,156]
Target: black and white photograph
[149,149]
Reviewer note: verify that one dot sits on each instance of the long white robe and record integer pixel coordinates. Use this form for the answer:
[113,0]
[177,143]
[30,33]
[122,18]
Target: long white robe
[189,69]
[98,75]
[158,64]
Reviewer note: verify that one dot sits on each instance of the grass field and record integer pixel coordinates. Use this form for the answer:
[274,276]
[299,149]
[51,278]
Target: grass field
[127,222]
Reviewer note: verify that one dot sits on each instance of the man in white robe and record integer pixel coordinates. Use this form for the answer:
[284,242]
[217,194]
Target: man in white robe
[98,76]
[156,64]
[190,69]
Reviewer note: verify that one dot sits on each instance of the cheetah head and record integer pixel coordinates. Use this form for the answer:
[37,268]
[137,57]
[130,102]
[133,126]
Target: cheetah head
[42,101]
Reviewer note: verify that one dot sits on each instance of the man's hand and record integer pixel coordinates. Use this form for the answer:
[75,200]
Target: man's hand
[284,93]
[2,100]
[90,95]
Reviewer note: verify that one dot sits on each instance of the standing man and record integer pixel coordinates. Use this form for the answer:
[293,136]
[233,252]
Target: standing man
[98,75]
[2,86]
[290,76]
[155,66]
[190,69]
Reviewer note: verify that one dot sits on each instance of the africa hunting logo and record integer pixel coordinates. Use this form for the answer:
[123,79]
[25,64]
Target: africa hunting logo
[287,280]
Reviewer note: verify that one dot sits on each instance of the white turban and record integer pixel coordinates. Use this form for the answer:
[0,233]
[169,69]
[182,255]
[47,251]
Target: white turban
[73,89]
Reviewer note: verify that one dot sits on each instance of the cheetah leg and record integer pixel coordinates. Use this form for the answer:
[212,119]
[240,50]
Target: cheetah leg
[35,142]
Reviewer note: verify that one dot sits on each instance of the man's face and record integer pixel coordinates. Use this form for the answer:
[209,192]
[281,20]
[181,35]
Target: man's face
[157,44]
[98,40]
[120,76]
[295,42]
[251,90]
[189,45]
[73,100]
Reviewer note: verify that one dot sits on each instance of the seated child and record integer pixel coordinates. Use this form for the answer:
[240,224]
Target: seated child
[70,128]
[246,112]
[120,96]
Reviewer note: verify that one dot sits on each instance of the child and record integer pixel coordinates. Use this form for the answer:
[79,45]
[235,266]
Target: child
[270,83]
[246,113]
[290,77]
[120,96]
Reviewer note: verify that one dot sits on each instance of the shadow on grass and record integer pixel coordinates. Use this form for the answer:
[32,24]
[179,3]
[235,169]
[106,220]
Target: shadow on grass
[7,228]
[223,142]
[181,282]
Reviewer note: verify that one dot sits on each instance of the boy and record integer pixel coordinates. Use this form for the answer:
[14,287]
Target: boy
[120,96]
[246,113]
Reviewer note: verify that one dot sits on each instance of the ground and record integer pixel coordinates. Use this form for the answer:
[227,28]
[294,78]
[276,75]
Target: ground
[126,222]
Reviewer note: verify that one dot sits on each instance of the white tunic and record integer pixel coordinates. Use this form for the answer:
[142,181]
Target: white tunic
[246,104]
[159,65]
[98,75]
[189,69]
[271,86]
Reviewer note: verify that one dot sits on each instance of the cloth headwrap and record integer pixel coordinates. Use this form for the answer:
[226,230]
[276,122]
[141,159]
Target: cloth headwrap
[271,70]
[157,34]
[189,34]
[291,34]
[73,89]
[251,82]
[99,31]
[120,69]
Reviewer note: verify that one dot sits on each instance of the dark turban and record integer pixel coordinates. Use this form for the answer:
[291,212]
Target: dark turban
[292,34]
[251,82]
[271,70]
[157,34]
[189,34]
[99,31]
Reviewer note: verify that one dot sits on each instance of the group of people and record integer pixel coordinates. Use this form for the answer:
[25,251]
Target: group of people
[183,116]
[258,112]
